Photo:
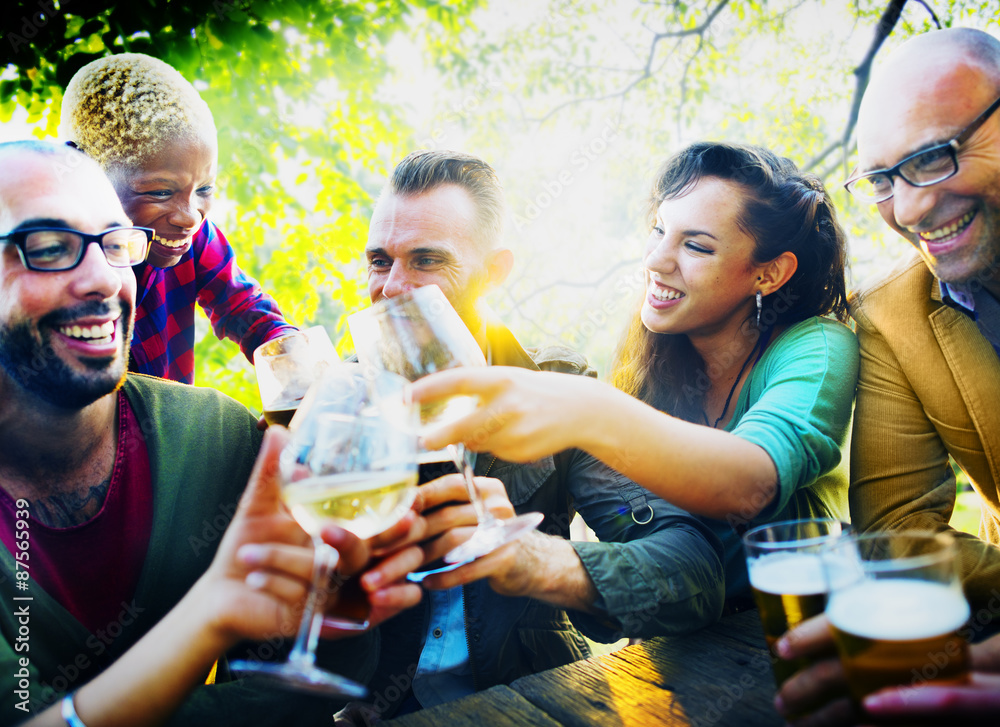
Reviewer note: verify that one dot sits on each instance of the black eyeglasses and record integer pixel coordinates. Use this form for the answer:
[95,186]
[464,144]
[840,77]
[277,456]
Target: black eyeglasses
[922,169]
[54,249]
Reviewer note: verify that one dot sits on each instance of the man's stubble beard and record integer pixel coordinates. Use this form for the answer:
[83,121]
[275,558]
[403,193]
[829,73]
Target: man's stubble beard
[28,358]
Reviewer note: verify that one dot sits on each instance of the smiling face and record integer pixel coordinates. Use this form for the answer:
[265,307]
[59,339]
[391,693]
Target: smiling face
[426,239]
[172,193]
[64,336]
[922,100]
[699,267]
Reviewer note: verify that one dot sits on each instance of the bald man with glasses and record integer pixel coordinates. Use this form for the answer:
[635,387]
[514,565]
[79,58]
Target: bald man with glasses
[929,158]
[929,386]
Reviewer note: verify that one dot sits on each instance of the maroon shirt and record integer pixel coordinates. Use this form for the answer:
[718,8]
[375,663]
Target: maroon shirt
[93,568]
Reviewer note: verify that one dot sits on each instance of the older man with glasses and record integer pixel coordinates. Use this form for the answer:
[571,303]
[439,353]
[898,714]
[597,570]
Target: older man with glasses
[929,153]
[929,331]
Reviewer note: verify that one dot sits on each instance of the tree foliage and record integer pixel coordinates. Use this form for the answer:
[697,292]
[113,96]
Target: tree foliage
[575,102]
[660,74]
[304,137]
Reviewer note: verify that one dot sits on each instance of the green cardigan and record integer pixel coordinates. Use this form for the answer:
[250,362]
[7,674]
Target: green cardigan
[202,446]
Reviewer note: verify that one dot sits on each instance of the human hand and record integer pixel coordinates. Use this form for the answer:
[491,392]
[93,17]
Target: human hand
[816,696]
[391,593]
[448,519]
[522,415]
[819,692]
[975,703]
[257,582]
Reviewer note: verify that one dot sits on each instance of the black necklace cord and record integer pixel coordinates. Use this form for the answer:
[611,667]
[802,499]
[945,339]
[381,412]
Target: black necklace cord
[761,344]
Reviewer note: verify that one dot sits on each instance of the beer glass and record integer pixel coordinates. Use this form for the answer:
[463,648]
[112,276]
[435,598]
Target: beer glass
[287,366]
[789,579]
[419,333]
[898,620]
[352,461]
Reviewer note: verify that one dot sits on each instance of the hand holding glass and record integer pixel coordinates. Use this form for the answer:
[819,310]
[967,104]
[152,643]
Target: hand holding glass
[789,578]
[419,333]
[898,620]
[351,461]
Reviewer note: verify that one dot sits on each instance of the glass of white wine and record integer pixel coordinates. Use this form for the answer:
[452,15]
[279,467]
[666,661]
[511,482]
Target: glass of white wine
[351,461]
[419,333]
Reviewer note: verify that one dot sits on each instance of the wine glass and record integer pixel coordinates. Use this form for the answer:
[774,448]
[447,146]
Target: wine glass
[419,333]
[287,366]
[351,460]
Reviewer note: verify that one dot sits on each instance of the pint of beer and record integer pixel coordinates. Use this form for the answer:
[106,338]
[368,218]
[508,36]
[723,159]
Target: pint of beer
[789,579]
[900,623]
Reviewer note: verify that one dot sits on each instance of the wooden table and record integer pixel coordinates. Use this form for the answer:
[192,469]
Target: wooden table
[715,677]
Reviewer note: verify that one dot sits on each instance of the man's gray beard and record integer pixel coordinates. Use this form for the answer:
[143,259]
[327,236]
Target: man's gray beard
[37,369]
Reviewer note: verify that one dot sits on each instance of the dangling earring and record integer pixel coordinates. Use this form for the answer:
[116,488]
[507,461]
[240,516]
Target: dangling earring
[760,306]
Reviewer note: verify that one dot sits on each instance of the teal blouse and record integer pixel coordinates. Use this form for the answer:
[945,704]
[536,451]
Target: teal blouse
[796,405]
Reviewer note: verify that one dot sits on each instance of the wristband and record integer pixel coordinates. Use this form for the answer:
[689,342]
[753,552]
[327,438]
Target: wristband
[69,712]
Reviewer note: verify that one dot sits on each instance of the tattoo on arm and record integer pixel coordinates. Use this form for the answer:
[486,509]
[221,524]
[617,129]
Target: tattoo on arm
[71,508]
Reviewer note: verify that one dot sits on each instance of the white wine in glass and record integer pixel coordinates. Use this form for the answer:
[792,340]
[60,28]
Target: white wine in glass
[419,333]
[351,461]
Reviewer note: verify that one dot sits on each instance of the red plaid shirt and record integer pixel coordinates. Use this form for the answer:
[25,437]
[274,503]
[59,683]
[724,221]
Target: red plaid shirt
[163,337]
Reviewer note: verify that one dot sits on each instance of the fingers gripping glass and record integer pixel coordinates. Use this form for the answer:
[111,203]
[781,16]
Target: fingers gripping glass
[419,333]
[54,249]
[351,460]
[921,169]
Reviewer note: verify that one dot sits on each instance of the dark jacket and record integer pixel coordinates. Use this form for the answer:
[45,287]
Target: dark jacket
[657,569]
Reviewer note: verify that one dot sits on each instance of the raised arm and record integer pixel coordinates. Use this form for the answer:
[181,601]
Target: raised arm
[254,589]
[789,436]
[236,305]
[525,415]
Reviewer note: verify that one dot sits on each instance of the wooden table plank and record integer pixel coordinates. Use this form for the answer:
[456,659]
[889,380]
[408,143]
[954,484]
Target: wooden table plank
[718,676]
[500,706]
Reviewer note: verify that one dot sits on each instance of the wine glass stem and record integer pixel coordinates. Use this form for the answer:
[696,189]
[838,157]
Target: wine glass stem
[304,650]
[464,462]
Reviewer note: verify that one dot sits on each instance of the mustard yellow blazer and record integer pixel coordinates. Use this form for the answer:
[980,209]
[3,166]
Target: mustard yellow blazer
[929,386]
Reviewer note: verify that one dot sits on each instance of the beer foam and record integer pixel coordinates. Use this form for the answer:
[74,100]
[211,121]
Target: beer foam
[790,574]
[898,609]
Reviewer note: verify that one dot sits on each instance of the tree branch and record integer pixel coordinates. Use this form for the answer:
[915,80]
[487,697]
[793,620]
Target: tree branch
[696,30]
[591,284]
[930,10]
[819,158]
[646,71]
[683,93]
[890,16]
